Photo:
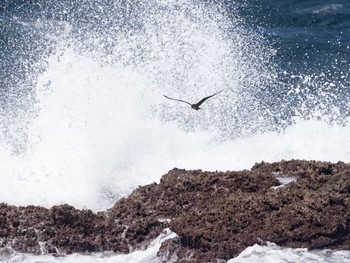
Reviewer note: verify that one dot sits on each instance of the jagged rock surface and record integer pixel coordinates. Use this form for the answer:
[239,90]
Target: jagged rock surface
[215,214]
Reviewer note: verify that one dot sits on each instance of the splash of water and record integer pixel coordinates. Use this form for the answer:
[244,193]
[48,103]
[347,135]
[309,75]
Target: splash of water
[96,124]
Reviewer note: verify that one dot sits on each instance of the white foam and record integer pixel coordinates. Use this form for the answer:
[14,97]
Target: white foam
[253,254]
[273,253]
[148,255]
[101,126]
[96,138]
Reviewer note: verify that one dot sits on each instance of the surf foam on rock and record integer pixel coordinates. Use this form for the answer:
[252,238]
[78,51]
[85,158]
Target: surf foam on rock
[216,215]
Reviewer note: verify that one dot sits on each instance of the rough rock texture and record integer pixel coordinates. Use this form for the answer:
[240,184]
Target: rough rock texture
[59,230]
[215,214]
[313,212]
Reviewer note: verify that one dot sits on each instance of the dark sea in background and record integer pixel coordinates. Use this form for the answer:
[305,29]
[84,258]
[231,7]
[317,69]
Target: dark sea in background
[311,40]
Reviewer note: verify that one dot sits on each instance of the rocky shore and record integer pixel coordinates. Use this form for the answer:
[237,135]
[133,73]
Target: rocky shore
[215,214]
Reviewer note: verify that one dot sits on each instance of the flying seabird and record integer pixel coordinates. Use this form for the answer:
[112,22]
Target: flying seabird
[196,105]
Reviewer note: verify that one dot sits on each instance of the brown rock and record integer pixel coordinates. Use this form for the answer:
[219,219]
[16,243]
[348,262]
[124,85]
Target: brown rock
[61,229]
[215,214]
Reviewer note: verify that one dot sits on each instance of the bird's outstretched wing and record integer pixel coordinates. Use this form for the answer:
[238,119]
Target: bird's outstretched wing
[177,100]
[204,99]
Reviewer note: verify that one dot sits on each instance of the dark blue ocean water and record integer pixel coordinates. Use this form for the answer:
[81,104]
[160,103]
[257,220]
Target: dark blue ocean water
[310,39]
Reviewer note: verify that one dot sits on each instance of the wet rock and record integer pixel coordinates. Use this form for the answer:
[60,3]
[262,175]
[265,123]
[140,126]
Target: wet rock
[215,214]
[311,212]
[59,230]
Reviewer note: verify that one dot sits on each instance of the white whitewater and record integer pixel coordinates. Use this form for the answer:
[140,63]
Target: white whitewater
[275,254]
[254,254]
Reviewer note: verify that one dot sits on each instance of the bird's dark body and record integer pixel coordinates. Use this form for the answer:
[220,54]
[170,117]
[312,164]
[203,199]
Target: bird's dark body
[196,105]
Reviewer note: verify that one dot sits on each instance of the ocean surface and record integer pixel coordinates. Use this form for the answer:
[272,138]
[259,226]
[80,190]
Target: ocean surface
[83,119]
